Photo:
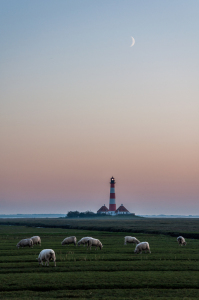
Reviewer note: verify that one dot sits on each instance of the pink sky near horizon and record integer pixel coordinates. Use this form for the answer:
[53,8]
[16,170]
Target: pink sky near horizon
[77,177]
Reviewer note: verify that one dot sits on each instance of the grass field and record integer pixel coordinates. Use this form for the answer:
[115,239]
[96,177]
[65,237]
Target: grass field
[174,227]
[169,272]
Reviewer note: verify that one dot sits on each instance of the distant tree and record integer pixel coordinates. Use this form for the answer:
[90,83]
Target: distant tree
[73,214]
[77,214]
[86,214]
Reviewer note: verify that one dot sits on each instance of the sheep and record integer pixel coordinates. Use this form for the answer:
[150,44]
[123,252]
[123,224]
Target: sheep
[181,241]
[94,242]
[130,239]
[69,240]
[24,243]
[143,246]
[83,241]
[36,240]
[46,255]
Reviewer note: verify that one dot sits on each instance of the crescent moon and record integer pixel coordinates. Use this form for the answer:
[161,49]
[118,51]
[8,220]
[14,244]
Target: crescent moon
[133,42]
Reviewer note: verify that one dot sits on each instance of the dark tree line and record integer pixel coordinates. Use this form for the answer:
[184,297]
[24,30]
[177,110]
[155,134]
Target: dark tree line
[77,214]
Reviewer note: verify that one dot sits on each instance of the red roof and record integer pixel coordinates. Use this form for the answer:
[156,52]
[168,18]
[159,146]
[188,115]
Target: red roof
[121,209]
[103,209]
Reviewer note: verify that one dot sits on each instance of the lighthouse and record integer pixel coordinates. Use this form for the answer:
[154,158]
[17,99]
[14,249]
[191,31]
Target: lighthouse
[112,204]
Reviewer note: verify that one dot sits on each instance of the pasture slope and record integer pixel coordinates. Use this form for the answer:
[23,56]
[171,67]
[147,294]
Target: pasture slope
[169,272]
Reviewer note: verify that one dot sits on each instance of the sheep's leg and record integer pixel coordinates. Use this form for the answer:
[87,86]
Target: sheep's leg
[54,263]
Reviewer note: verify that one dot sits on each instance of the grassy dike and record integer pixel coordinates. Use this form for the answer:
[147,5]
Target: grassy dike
[189,228]
[115,272]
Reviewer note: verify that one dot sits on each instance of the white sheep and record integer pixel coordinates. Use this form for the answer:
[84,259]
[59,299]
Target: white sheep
[36,240]
[83,241]
[130,239]
[46,255]
[181,241]
[94,242]
[144,246]
[25,243]
[69,240]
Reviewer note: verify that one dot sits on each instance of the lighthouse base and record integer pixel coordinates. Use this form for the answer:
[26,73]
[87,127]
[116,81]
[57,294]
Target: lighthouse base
[112,207]
[112,213]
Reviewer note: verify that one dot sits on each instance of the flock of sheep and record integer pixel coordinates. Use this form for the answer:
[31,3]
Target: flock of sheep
[49,254]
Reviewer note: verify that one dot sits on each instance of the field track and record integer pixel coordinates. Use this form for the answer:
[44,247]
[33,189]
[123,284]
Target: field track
[169,272]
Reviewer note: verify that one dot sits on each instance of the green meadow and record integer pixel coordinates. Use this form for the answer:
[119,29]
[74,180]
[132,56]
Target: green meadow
[115,272]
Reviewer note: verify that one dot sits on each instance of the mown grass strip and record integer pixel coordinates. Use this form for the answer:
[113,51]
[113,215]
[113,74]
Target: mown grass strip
[107,294]
[104,280]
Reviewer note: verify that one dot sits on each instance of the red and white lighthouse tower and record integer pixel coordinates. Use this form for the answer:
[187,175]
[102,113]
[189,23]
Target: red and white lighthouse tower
[112,204]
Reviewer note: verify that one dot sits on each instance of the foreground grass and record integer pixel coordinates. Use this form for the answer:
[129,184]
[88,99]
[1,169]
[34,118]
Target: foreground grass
[170,271]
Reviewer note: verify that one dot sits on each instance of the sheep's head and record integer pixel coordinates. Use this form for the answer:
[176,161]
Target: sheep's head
[39,260]
[100,246]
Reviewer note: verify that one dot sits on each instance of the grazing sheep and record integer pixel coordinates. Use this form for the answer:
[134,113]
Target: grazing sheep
[94,242]
[144,246]
[25,243]
[181,241]
[46,255]
[130,239]
[69,240]
[36,240]
[84,241]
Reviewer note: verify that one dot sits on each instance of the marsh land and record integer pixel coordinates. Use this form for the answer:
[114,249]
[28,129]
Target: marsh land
[115,272]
